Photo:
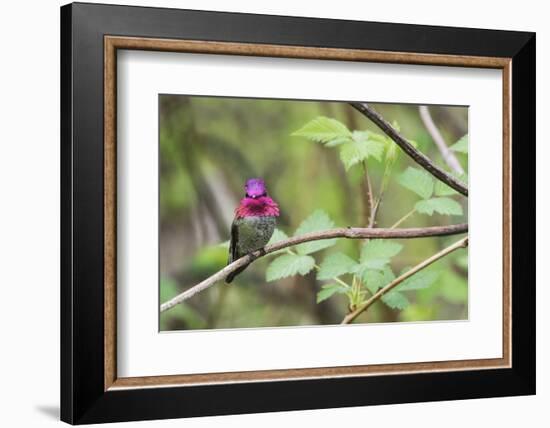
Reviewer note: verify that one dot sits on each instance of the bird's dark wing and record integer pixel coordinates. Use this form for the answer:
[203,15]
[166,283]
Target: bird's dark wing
[233,243]
[233,254]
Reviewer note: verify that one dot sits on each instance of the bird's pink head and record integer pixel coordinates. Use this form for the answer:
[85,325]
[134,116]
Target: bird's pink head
[256,202]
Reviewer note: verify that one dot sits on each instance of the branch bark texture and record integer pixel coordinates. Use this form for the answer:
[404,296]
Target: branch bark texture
[344,232]
[420,158]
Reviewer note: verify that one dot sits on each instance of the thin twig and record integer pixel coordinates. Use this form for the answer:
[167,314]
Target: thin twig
[370,196]
[420,158]
[446,153]
[402,219]
[343,232]
[378,295]
[378,201]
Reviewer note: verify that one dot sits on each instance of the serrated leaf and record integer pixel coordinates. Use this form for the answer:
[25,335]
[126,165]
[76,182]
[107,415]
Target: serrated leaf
[441,189]
[461,145]
[375,254]
[357,151]
[324,130]
[337,141]
[316,222]
[278,235]
[376,279]
[419,181]
[444,206]
[379,137]
[329,290]
[419,280]
[289,265]
[335,265]
[367,135]
[395,300]
[360,135]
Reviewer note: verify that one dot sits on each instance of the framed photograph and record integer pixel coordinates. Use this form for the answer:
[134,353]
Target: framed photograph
[266,213]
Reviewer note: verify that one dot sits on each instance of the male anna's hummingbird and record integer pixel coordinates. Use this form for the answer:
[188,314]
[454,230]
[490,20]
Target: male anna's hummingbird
[254,223]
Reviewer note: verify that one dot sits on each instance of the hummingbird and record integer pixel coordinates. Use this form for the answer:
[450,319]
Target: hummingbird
[254,223]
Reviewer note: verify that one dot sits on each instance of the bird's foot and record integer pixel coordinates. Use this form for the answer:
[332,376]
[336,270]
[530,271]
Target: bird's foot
[253,256]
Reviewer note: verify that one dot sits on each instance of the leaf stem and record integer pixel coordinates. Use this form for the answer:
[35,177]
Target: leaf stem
[402,219]
[335,278]
[370,197]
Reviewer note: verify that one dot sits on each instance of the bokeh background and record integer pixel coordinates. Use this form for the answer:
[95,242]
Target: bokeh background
[209,146]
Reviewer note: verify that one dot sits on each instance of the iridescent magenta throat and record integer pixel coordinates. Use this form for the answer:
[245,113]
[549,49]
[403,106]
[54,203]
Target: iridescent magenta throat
[263,206]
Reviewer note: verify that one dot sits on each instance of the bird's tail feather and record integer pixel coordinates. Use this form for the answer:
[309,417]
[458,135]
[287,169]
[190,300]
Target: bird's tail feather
[233,274]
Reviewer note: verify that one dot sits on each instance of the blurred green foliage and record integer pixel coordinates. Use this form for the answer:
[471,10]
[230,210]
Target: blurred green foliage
[210,146]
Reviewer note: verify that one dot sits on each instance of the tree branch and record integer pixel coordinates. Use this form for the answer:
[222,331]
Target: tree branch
[463,243]
[446,153]
[343,232]
[420,158]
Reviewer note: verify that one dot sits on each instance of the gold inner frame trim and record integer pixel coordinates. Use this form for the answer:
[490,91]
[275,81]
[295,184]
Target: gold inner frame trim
[113,43]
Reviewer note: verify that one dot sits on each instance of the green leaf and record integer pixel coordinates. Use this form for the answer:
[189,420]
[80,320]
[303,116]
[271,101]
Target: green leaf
[329,290]
[376,279]
[335,265]
[391,151]
[278,235]
[324,130]
[419,181]
[368,136]
[357,151]
[377,137]
[461,145]
[289,265]
[375,254]
[395,300]
[444,206]
[316,222]
[337,141]
[419,280]
[441,189]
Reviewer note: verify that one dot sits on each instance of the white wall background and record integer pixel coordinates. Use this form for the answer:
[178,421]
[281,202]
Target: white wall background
[29,213]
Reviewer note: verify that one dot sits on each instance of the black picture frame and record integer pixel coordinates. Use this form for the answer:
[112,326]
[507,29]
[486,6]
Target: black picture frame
[83,398]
